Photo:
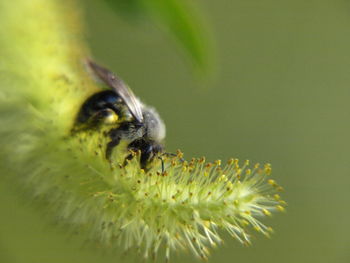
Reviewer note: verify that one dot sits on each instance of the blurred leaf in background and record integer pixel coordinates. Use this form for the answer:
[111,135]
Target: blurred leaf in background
[180,19]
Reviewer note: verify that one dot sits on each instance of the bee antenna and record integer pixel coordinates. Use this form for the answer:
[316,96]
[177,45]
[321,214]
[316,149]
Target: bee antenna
[168,154]
[173,155]
[161,159]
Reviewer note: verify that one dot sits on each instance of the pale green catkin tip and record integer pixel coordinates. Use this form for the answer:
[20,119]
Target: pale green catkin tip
[43,82]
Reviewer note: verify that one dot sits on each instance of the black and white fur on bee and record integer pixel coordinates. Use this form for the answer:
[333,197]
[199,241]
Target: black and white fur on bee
[128,118]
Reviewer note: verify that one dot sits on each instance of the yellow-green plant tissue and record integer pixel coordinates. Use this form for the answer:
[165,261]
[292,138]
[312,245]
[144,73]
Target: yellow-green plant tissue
[43,82]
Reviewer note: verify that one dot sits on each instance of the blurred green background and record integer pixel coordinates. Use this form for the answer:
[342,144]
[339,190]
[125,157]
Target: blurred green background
[280,95]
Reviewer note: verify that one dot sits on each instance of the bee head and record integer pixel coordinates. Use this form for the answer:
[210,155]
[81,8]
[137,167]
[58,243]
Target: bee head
[154,125]
[149,150]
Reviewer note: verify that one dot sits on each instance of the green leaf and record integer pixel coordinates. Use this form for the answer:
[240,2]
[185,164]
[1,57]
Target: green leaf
[180,19]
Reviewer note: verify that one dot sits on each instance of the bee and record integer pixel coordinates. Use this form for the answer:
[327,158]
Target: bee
[129,119]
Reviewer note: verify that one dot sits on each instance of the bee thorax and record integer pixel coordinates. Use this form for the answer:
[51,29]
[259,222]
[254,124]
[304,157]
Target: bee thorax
[154,126]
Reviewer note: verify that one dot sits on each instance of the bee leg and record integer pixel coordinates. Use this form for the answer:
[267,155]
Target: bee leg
[116,135]
[128,158]
[110,146]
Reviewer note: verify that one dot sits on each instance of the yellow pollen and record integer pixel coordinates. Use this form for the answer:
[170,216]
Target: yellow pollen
[245,222]
[223,178]
[206,223]
[280,189]
[268,170]
[272,182]
[266,212]
[277,197]
[112,118]
[267,165]
[280,208]
[179,154]
[208,165]
[258,229]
